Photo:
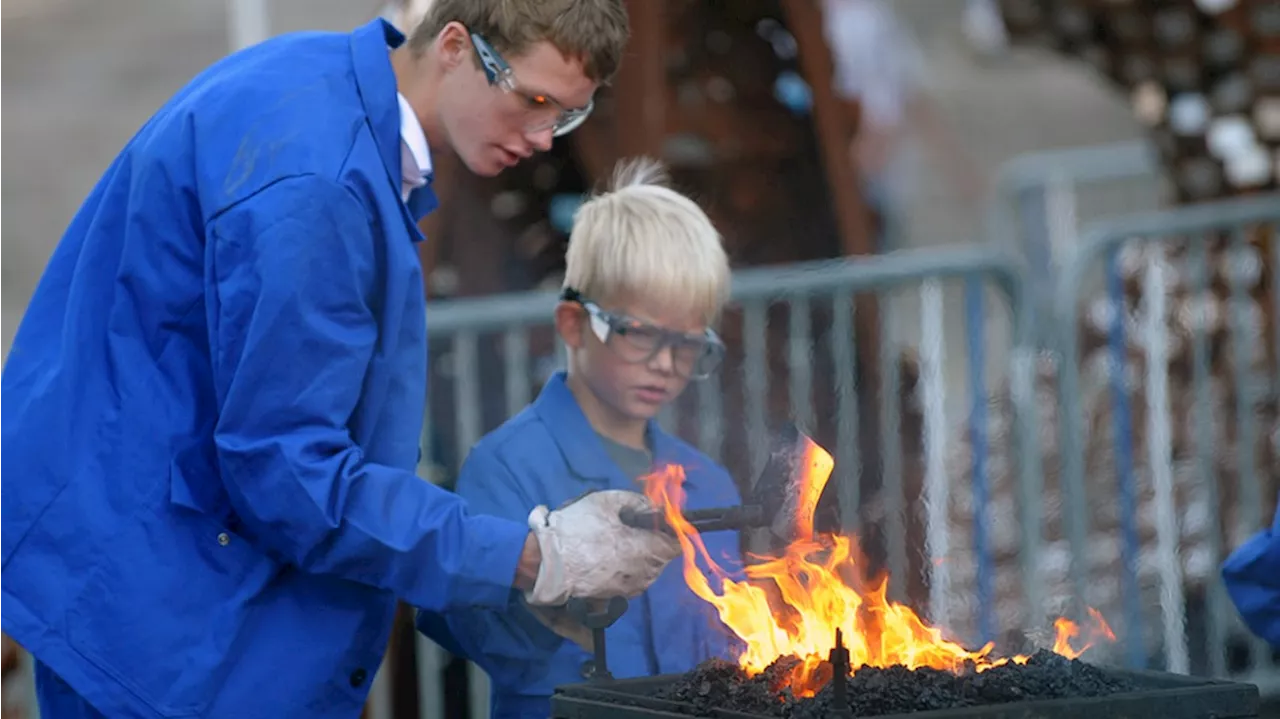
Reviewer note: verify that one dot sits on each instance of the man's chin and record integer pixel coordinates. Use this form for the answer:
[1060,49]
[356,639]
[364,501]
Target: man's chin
[485,166]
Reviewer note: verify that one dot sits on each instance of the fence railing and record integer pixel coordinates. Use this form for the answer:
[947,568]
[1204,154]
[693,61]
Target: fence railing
[1042,200]
[1179,357]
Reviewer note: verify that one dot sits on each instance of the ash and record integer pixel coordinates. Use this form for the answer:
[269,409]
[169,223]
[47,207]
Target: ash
[895,690]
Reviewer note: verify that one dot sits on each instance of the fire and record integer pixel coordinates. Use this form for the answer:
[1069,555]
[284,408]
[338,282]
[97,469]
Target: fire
[818,587]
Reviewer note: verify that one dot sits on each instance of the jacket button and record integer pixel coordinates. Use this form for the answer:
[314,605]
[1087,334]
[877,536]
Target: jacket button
[224,539]
[358,677]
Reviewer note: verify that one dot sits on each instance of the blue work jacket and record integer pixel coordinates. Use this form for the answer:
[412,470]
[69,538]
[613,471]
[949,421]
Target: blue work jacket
[1252,576]
[548,454]
[212,406]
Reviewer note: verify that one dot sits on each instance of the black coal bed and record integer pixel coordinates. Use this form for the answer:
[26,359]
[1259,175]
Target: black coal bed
[1047,687]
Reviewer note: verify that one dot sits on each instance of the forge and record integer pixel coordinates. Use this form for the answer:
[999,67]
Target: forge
[1043,686]
[822,640]
[1046,686]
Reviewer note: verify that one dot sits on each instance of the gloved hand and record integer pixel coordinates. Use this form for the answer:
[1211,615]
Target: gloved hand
[588,552]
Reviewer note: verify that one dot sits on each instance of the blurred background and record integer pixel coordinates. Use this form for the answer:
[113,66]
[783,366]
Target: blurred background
[950,222]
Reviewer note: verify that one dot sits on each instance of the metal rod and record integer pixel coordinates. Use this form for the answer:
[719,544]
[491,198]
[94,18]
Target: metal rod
[247,23]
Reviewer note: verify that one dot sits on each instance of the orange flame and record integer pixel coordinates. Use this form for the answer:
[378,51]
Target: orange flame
[818,588]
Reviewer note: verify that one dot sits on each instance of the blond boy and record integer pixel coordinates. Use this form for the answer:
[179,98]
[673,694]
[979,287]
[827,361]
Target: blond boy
[646,279]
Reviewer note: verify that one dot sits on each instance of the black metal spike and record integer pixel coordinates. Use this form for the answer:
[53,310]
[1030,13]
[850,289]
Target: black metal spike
[839,659]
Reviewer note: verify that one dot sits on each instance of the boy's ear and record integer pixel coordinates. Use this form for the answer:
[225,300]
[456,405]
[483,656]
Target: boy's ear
[570,323]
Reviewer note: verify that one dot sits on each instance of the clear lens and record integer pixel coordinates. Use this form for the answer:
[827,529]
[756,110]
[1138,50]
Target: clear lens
[635,342]
[561,122]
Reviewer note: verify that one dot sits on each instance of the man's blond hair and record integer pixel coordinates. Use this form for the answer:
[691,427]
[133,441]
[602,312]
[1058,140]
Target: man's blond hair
[643,240]
[594,32]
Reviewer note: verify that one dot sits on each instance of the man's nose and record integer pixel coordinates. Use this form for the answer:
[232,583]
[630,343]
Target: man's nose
[542,139]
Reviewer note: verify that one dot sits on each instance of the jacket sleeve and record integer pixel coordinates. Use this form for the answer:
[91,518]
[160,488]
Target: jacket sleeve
[293,286]
[509,643]
[1252,577]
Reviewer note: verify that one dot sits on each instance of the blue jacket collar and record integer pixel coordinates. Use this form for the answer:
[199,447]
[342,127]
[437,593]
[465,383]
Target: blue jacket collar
[577,440]
[376,82]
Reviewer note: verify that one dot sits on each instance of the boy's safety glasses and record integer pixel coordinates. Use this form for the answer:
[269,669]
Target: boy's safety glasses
[694,357]
[544,112]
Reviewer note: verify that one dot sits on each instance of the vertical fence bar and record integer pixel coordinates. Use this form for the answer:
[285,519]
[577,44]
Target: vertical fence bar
[937,487]
[1027,442]
[711,417]
[247,23]
[515,361]
[380,698]
[429,658]
[800,360]
[1122,434]
[1063,217]
[891,461]
[756,384]
[466,386]
[1075,513]
[1217,603]
[426,445]
[976,331]
[1275,304]
[1160,458]
[1242,347]
[843,342]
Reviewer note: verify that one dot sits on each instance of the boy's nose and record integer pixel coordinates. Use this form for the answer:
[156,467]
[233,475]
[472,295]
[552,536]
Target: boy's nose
[664,361]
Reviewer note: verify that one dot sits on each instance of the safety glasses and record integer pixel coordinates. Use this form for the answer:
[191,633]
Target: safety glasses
[694,357]
[543,112]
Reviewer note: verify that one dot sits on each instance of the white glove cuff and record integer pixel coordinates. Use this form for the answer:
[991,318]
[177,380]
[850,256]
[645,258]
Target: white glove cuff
[550,588]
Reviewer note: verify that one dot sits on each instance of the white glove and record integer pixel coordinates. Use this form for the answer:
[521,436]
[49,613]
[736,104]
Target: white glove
[588,552]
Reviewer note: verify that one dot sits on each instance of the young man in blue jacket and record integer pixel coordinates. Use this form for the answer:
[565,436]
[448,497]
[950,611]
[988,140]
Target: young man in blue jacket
[646,277]
[212,406]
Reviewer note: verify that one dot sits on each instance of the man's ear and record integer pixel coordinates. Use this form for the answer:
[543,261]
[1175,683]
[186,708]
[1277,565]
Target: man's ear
[571,321]
[453,44]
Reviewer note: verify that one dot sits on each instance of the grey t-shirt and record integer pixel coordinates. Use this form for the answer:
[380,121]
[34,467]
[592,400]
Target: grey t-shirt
[634,463]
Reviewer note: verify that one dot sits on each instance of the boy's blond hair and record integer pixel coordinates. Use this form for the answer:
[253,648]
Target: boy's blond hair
[594,32]
[642,239]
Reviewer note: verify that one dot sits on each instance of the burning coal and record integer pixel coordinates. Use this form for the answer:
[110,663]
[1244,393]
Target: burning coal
[892,691]
[818,587]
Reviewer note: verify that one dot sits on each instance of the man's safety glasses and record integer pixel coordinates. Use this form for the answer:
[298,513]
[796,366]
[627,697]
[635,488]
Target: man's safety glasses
[544,112]
[695,357]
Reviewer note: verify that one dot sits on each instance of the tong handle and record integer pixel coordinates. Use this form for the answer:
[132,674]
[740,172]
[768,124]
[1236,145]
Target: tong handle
[703,520]
[597,622]
[580,610]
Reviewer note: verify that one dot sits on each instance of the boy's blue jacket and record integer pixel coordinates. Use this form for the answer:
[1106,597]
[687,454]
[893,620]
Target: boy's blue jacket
[1252,576]
[549,454]
[213,404]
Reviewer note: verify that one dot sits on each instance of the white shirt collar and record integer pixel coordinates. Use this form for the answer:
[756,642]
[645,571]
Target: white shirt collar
[415,155]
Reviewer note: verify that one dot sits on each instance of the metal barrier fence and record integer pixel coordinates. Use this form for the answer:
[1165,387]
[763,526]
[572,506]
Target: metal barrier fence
[1179,357]
[795,324]
[1041,200]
